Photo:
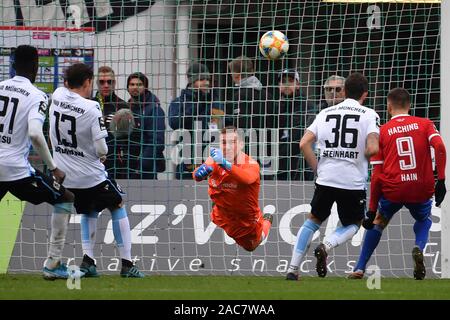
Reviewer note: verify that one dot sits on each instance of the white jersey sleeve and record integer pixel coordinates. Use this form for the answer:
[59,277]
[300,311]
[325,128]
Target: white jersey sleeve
[38,109]
[98,128]
[373,123]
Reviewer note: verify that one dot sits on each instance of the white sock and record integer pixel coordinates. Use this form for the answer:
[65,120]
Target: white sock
[60,221]
[339,236]
[88,232]
[122,233]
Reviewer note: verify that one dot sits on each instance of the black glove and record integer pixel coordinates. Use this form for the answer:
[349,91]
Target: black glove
[439,192]
[368,220]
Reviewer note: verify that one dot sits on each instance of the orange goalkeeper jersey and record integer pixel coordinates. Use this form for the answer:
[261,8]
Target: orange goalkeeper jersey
[235,194]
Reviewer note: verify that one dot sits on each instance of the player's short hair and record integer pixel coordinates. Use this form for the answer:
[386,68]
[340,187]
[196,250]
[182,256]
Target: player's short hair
[242,65]
[355,86]
[399,97]
[77,74]
[140,76]
[239,132]
[334,78]
[106,69]
[25,58]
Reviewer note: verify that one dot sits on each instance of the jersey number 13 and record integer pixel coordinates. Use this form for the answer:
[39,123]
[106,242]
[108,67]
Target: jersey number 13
[72,131]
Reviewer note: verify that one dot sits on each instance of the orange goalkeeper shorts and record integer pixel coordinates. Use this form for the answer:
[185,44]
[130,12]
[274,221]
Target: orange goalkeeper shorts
[248,234]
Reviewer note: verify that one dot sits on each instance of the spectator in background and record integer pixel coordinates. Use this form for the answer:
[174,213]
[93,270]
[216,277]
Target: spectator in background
[295,115]
[333,91]
[196,106]
[146,142]
[109,104]
[252,107]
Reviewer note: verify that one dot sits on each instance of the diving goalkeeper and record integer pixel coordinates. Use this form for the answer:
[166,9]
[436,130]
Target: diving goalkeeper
[234,189]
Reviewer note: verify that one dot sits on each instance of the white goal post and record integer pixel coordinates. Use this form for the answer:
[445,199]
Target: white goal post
[445,132]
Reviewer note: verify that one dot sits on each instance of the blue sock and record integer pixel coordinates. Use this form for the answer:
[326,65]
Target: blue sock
[371,241]
[421,229]
[304,237]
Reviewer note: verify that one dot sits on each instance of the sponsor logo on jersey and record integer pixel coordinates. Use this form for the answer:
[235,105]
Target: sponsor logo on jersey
[43,106]
[101,122]
[229,185]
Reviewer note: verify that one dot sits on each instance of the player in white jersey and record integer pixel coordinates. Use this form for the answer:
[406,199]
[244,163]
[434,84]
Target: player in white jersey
[23,112]
[347,136]
[77,134]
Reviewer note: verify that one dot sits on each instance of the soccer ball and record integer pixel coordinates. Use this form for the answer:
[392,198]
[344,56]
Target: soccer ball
[122,123]
[273,45]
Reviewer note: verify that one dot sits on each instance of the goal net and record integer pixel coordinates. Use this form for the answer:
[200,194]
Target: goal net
[393,43]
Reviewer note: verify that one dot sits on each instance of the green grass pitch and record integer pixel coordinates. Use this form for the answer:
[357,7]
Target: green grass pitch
[32,286]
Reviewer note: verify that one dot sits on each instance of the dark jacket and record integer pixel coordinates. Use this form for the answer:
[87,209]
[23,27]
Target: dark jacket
[295,115]
[146,143]
[322,105]
[252,107]
[109,106]
[190,107]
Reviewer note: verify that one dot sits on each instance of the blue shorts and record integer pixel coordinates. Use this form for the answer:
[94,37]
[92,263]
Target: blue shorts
[419,211]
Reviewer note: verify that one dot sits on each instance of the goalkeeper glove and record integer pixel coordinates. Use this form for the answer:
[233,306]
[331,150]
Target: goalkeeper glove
[439,192]
[368,220]
[203,171]
[218,158]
